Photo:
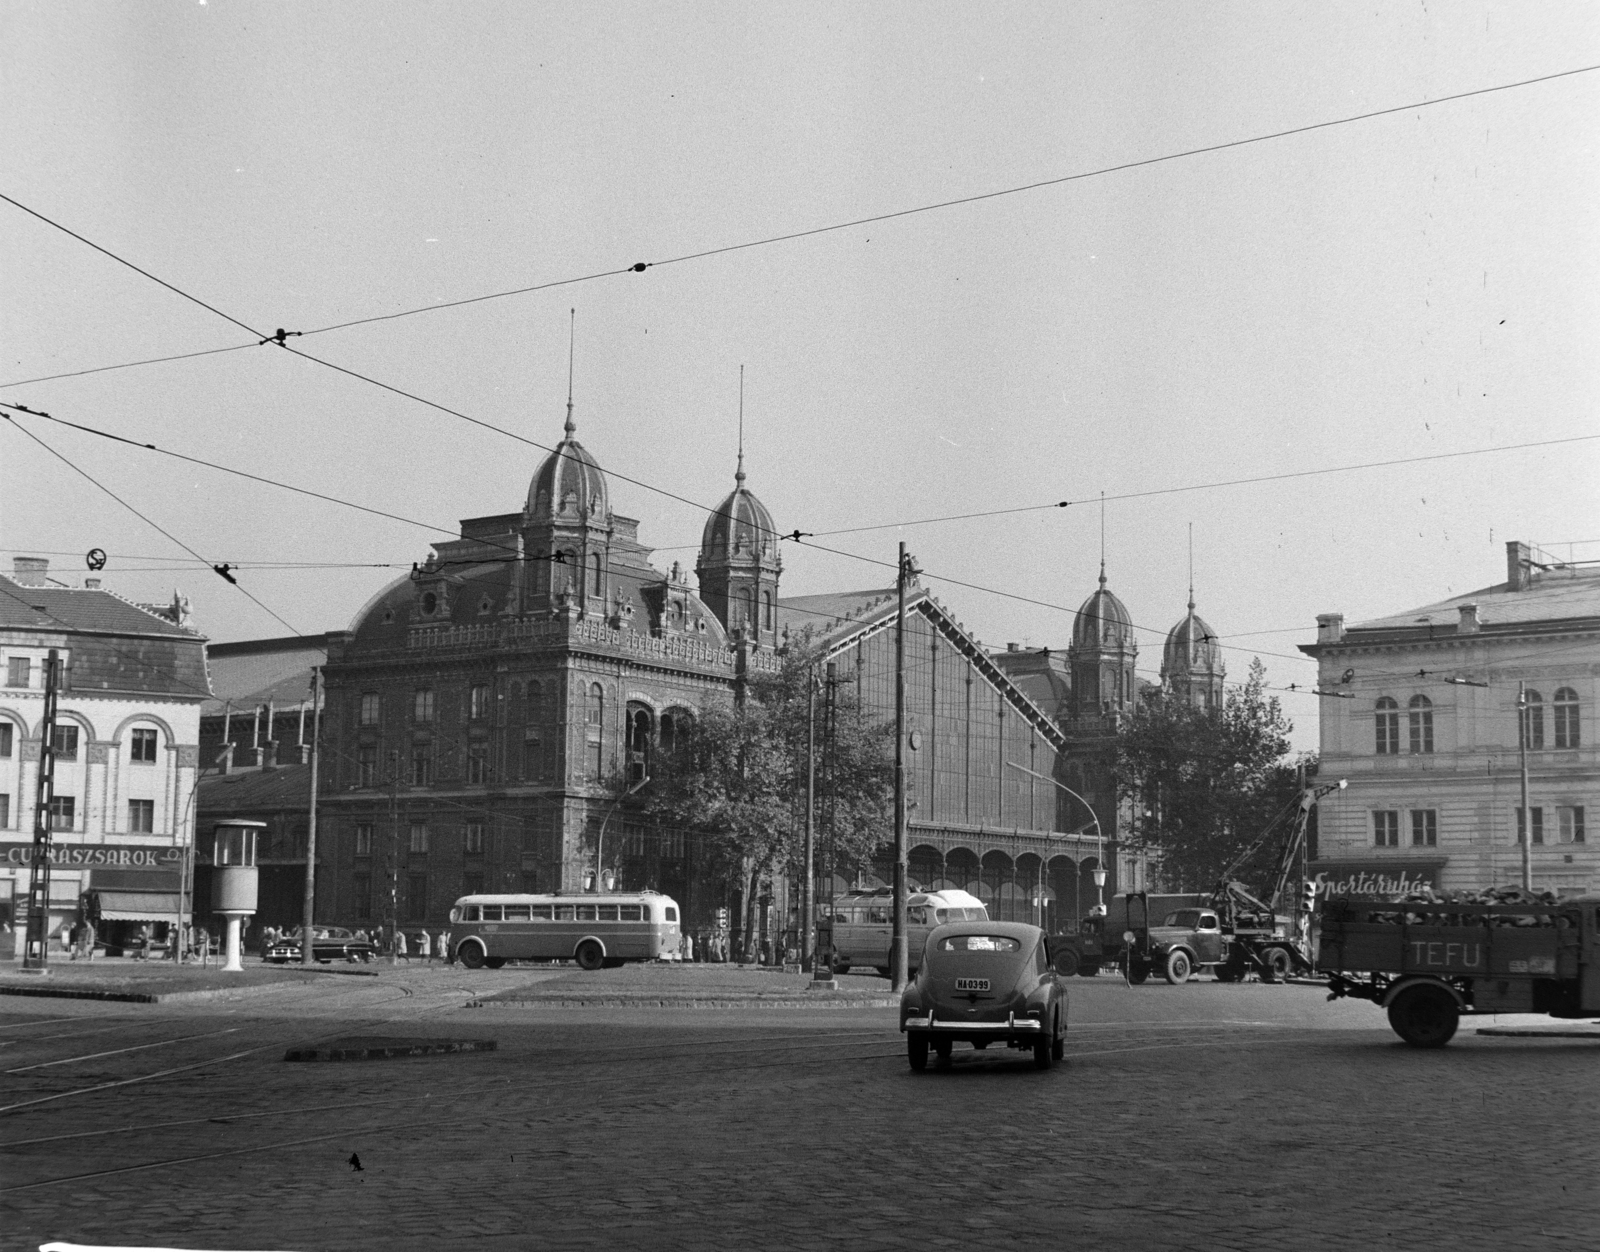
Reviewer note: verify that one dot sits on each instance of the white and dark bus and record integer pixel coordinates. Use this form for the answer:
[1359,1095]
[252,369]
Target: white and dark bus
[594,930]
[864,920]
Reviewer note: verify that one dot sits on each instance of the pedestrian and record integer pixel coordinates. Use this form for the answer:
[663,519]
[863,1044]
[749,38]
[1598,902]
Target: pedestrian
[400,945]
[424,946]
[443,946]
[85,941]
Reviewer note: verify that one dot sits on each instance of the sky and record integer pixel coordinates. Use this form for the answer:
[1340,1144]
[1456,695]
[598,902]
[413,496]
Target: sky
[1414,284]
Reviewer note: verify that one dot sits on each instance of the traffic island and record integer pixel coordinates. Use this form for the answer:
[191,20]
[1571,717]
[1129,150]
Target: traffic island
[694,986]
[1571,1031]
[149,982]
[362,1048]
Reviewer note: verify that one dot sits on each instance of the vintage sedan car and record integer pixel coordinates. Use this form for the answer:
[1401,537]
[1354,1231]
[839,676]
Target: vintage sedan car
[983,983]
[328,944]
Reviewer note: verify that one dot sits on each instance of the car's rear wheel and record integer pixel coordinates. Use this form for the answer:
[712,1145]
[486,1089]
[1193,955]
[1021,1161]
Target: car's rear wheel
[1424,1016]
[1044,1053]
[1178,967]
[1058,1049]
[941,1049]
[590,955]
[472,954]
[917,1049]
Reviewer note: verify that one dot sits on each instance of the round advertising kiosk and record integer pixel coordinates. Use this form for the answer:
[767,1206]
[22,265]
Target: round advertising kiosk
[234,873]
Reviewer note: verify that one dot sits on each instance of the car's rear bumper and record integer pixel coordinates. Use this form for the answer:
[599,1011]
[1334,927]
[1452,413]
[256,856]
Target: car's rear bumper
[1013,1025]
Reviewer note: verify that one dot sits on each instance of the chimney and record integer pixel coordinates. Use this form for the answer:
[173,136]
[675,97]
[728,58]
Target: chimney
[1469,624]
[1012,647]
[1519,565]
[91,584]
[1330,627]
[30,571]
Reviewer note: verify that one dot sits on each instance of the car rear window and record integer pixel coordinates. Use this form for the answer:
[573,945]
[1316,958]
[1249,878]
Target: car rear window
[980,943]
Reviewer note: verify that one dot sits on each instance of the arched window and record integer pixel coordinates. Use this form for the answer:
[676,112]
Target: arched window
[747,615]
[1533,719]
[594,741]
[640,734]
[1566,711]
[1386,725]
[676,726]
[766,610]
[1421,719]
[565,574]
[597,577]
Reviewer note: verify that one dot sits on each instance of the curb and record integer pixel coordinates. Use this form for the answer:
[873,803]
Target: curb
[144,997]
[680,1002]
[388,1051]
[1537,1032]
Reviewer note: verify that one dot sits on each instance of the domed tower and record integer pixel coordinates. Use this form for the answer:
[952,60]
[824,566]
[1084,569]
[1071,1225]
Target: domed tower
[1102,655]
[738,566]
[568,512]
[1191,662]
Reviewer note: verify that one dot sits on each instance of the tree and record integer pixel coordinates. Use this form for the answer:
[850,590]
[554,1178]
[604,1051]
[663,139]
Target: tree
[739,779]
[1204,783]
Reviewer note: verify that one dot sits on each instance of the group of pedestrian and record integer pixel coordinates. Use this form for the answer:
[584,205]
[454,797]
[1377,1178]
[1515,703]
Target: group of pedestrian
[709,943]
[428,947]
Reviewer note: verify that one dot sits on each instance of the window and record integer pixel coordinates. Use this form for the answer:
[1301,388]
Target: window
[1424,828]
[597,576]
[519,913]
[478,764]
[7,737]
[1566,712]
[1533,719]
[141,816]
[588,913]
[422,705]
[1421,724]
[472,838]
[361,885]
[1569,823]
[142,747]
[366,767]
[766,610]
[979,943]
[478,702]
[417,897]
[63,812]
[1538,824]
[17,671]
[371,708]
[639,734]
[1386,828]
[632,912]
[5,810]
[364,839]
[675,727]
[66,743]
[746,616]
[594,742]
[493,913]
[421,765]
[419,837]
[1387,724]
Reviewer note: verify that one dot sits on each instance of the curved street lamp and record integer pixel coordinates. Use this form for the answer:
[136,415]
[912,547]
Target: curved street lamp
[600,839]
[1099,835]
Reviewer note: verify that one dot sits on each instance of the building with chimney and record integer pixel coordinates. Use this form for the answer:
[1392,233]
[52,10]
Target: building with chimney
[1427,735]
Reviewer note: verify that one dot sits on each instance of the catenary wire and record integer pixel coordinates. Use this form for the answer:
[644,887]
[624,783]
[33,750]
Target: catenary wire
[642,266]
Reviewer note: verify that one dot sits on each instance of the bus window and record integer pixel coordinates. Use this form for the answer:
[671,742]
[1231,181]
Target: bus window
[470,913]
[608,913]
[672,913]
[563,912]
[586,913]
[541,912]
[878,917]
[633,913]
[491,912]
[517,913]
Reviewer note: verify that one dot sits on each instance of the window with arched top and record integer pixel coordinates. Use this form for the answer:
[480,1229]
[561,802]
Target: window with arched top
[766,610]
[1566,711]
[676,726]
[746,615]
[640,737]
[1386,727]
[597,576]
[1420,718]
[594,727]
[1533,719]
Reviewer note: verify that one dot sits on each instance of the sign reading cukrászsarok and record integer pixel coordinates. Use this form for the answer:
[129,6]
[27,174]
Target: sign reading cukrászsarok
[151,856]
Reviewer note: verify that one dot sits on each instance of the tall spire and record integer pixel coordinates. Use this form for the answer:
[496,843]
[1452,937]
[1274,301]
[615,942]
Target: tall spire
[572,332]
[1102,538]
[1191,567]
[738,474]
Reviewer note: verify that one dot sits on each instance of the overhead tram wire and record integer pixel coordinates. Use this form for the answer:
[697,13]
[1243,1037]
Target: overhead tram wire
[220,569]
[640,267]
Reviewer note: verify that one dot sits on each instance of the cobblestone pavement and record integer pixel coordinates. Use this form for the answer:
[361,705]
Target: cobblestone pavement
[1208,1116]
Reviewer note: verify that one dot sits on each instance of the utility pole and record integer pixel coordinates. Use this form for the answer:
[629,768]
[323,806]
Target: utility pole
[807,883]
[897,941]
[1527,813]
[36,948]
[394,853]
[309,907]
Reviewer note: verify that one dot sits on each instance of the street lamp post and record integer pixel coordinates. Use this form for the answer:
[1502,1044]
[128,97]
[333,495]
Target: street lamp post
[1099,835]
[600,839]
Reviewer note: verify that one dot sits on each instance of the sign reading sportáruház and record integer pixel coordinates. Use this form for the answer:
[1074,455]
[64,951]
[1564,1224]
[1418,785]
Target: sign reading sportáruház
[1377,880]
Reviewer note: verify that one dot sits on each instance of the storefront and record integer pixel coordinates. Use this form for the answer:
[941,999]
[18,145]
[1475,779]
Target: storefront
[128,891]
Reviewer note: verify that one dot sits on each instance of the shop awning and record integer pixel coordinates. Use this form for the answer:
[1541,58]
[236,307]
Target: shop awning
[138,906]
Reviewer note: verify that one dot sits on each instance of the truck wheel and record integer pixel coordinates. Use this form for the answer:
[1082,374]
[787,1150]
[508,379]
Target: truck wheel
[917,1049]
[1424,1016]
[1138,971]
[1276,965]
[1178,967]
[1067,963]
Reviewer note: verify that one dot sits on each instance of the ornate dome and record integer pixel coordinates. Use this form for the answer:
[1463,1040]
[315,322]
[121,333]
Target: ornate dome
[1103,622]
[569,485]
[740,528]
[1192,648]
